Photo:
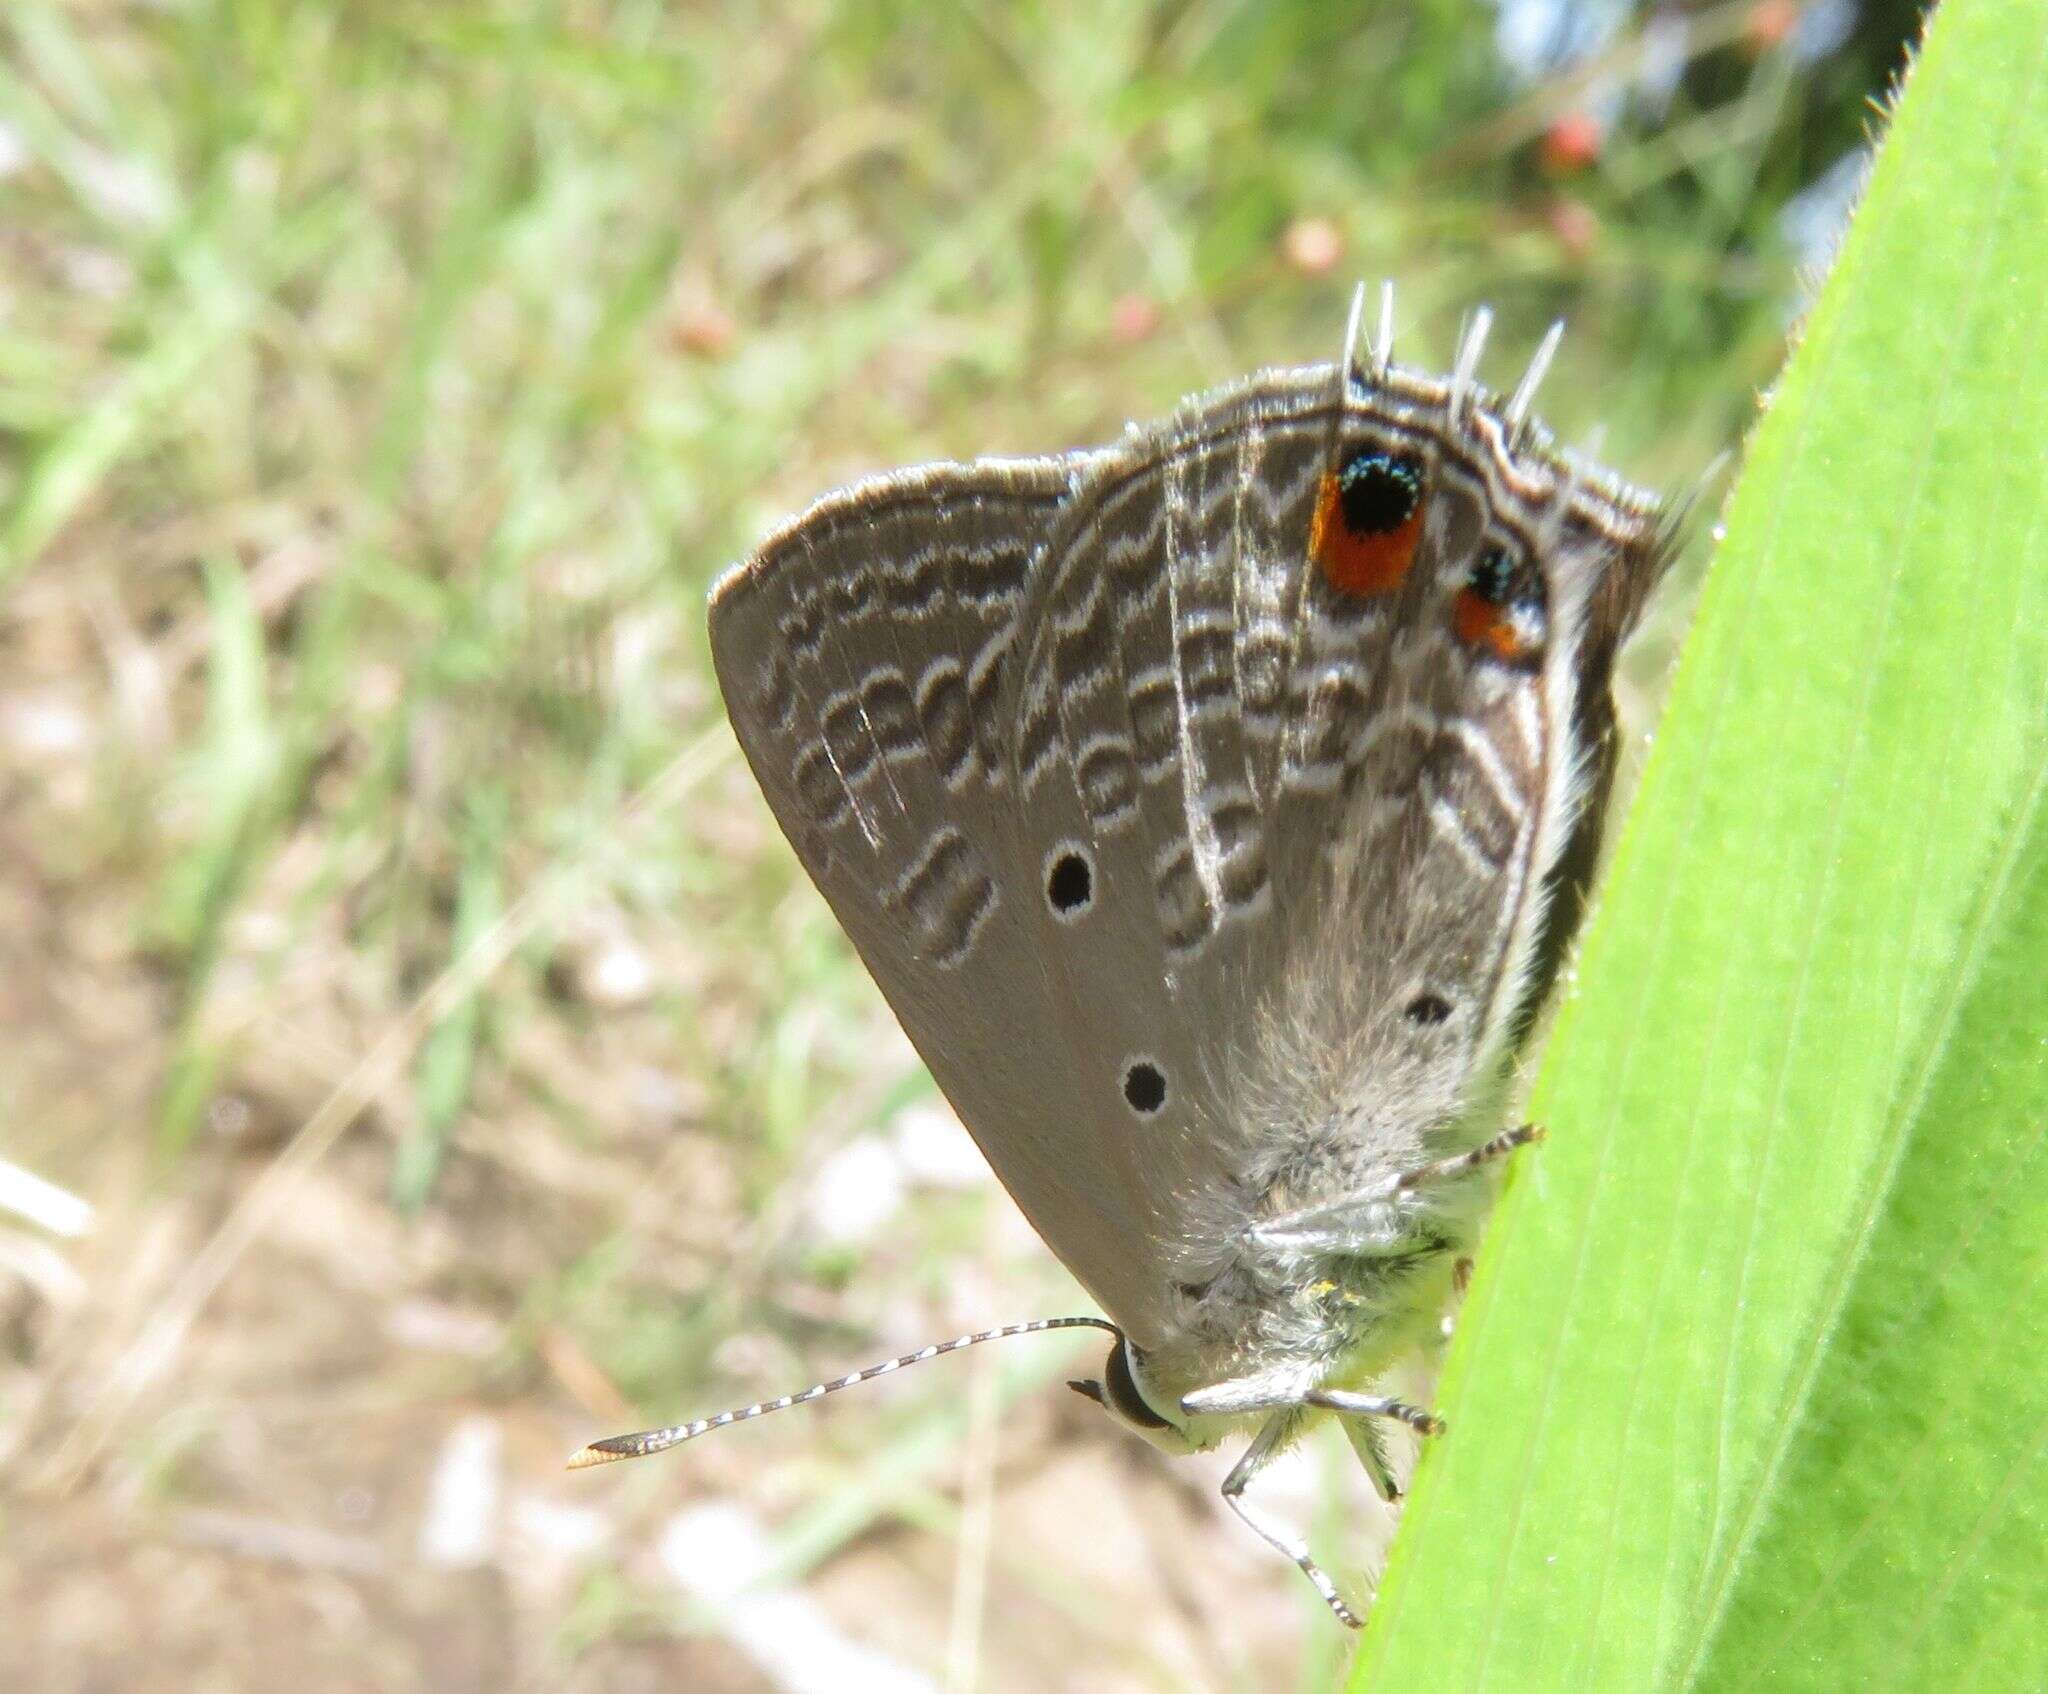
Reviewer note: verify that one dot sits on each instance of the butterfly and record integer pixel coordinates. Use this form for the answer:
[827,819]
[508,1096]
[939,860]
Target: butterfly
[1214,811]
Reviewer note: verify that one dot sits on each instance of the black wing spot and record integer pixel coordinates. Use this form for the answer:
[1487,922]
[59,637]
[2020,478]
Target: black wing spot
[1428,1009]
[1378,492]
[1493,576]
[1070,883]
[1144,1087]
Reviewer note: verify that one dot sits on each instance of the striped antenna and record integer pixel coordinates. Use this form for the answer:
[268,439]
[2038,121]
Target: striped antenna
[659,1440]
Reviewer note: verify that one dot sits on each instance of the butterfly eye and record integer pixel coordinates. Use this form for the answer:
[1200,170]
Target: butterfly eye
[1120,1391]
[1427,1009]
[1144,1087]
[1070,883]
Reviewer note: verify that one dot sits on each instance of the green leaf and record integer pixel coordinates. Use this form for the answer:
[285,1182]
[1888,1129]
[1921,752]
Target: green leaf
[1751,1390]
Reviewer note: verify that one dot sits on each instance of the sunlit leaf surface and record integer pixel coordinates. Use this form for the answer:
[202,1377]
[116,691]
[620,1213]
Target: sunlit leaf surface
[1751,1391]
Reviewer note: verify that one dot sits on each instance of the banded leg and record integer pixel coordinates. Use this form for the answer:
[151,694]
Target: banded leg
[1265,1394]
[1356,1413]
[1274,1435]
[1349,1405]
[1499,1147]
[1336,1223]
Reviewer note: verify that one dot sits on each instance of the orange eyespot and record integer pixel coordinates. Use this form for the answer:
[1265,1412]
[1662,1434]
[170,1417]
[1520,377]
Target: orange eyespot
[1500,610]
[1482,624]
[1367,523]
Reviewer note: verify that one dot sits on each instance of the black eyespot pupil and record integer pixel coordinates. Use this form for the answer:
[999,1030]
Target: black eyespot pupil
[1145,1087]
[1378,492]
[1428,1009]
[1493,576]
[1071,884]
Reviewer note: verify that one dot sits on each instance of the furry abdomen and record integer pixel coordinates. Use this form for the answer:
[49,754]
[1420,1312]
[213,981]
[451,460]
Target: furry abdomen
[1381,1041]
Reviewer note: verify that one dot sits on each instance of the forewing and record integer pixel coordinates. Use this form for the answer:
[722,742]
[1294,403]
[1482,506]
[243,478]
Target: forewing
[864,654]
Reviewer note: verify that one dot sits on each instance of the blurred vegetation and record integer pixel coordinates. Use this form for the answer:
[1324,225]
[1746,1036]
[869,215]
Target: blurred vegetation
[383,383]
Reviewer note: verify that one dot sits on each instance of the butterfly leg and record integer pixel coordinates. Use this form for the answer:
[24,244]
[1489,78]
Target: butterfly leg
[1499,1147]
[1267,1394]
[1336,1223]
[1364,1436]
[1357,1412]
[1273,1435]
[1354,1411]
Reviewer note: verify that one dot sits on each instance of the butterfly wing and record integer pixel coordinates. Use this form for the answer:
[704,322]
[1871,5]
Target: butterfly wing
[864,655]
[1158,795]
[1149,706]
[1325,788]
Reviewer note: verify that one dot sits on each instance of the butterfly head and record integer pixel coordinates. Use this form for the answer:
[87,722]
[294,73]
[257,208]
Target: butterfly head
[1126,1391]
